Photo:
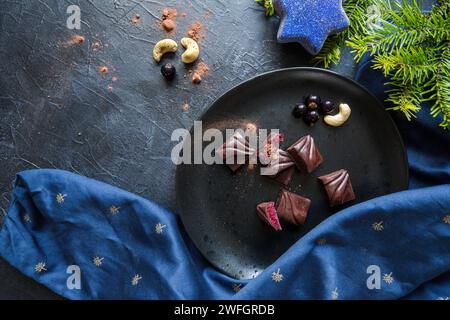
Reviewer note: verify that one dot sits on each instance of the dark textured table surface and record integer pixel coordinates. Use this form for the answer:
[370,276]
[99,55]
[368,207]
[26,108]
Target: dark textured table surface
[58,111]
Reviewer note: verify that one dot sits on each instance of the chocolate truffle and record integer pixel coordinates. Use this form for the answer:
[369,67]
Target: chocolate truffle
[305,154]
[292,207]
[266,211]
[338,187]
[281,167]
[270,146]
[234,151]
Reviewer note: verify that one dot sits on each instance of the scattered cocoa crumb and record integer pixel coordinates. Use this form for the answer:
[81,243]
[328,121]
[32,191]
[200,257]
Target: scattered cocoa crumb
[103,70]
[183,14]
[185,107]
[196,78]
[168,25]
[74,40]
[136,19]
[169,16]
[250,127]
[96,45]
[165,13]
[77,39]
[114,78]
[201,70]
[110,88]
[196,31]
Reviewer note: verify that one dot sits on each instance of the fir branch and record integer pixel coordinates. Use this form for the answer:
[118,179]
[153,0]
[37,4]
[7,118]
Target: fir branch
[406,98]
[268,5]
[408,65]
[410,47]
[441,88]
[330,53]
[401,25]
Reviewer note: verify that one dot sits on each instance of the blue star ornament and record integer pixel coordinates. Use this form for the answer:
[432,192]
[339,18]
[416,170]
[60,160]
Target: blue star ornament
[310,22]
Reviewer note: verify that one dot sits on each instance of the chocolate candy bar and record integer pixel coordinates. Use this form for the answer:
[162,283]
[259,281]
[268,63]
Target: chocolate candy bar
[281,167]
[292,207]
[235,151]
[305,154]
[338,187]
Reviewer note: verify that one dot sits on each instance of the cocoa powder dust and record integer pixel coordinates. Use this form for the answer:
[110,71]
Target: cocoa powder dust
[169,17]
[136,19]
[199,72]
[103,69]
[195,31]
[74,40]
[185,107]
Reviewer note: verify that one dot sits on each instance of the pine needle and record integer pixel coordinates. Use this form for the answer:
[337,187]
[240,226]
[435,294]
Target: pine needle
[268,6]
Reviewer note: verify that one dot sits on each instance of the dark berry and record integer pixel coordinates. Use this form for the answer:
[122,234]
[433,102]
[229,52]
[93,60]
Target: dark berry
[168,71]
[299,110]
[327,107]
[311,117]
[312,102]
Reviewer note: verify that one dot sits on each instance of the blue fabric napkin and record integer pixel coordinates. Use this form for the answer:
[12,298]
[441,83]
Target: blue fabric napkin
[88,240]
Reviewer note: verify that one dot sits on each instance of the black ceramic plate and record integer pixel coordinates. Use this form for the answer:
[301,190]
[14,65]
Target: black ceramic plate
[218,208]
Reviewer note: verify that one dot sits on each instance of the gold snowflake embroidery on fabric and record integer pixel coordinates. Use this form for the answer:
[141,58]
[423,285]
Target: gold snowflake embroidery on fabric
[388,278]
[378,226]
[277,276]
[27,218]
[97,261]
[114,210]
[237,287]
[60,197]
[446,219]
[321,241]
[40,267]
[334,294]
[135,280]
[159,228]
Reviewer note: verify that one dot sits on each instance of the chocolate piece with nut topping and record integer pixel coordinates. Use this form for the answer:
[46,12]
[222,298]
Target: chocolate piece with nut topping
[281,167]
[338,187]
[235,151]
[270,146]
[305,154]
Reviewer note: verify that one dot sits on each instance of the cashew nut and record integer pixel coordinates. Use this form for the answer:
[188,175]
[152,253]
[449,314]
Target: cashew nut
[340,118]
[192,50]
[162,47]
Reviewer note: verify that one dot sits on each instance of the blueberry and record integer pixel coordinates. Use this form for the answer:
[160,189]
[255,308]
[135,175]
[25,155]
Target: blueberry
[327,107]
[168,71]
[299,110]
[311,117]
[312,102]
